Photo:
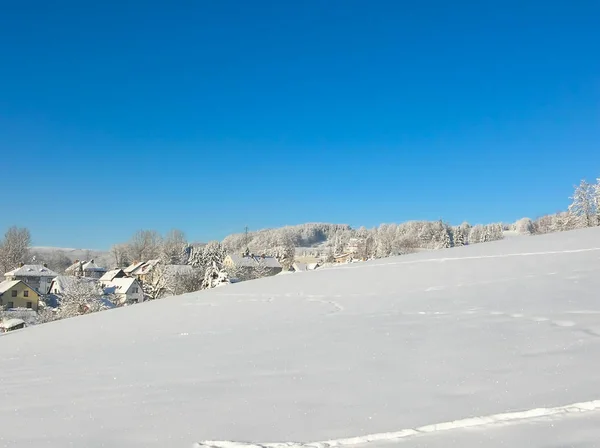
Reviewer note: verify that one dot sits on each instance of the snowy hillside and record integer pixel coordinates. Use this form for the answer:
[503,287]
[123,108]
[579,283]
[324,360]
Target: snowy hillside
[502,337]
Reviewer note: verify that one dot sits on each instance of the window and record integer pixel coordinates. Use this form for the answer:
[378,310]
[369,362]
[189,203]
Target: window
[134,290]
[13,293]
[10,305]
[29,305]
[25,293]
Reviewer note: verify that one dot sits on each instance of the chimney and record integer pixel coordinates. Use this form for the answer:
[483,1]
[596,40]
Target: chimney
[77,261]
[21,264]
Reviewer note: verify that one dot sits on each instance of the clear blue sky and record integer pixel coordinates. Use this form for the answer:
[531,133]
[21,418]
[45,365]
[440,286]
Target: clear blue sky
[210,115]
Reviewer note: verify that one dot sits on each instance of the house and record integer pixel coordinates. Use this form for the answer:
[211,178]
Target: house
[112,274]
[142,270]
[246,261]
[353,245]
[129,270]
[126,290]
[11,324]
[36,276]
[342,258]
[85,269]
[301,267]
[18,294]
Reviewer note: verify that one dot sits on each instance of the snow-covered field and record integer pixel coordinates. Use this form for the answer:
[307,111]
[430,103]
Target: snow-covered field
[490,345]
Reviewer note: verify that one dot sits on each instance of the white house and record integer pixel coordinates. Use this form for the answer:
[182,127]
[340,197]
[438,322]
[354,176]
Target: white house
[37,276]
[85,269]
[125,289]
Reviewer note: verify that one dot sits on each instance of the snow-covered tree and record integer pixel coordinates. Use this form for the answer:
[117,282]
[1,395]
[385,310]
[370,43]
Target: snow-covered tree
[81,296]
[596,192]
[583,207]
[14,248]
[120,254]
[476,234]
[459,237]
[144,245]
[524,226]
[157,284]
[214,276]
[173,247]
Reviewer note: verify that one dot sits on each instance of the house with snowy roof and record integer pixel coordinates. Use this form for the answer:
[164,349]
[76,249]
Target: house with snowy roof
[87,269]
[112,274]
[268,265]
[142,270]
[126,290]
[18,294]
[37,276]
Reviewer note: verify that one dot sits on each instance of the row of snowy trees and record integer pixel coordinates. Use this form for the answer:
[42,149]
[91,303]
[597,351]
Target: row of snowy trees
[584,211]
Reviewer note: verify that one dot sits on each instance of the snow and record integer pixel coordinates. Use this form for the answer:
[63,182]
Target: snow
[465,347]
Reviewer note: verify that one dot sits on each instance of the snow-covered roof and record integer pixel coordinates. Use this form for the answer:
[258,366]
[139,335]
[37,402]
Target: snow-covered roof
[31,270]
[93,267]
[109,275]
[7,284]
[133,267]
[252,262]
[119,285]
[11,323]
[74,267]
[147,267]
[178,269]
[62,282]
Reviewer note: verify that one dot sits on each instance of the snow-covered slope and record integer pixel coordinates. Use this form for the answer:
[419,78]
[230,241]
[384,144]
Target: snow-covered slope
[477,336]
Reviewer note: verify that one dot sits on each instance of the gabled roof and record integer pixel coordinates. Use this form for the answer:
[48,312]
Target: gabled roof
[62,282]
[75,266]
[31,270]
[147,267]
[93,267]
[119,285]
[8,284]
[11,323]
[133,267]
[254,261]
[110,275]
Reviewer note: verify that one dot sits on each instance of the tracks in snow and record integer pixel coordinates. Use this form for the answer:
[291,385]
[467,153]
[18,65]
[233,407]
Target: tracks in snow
[489,420]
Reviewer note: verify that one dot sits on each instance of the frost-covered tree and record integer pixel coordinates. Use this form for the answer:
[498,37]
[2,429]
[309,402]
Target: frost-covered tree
[459,237]
[596,192]
[120,254]
[583,206]
[214,276]
[476,234]
[81,296]
[204,256]
[157,284]
[144,245]
[173,247]
[524,226]
[448,236]
[14,248]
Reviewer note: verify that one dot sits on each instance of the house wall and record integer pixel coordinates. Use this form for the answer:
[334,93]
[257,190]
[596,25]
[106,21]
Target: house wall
[40,284]
[20,301]
[135,294]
